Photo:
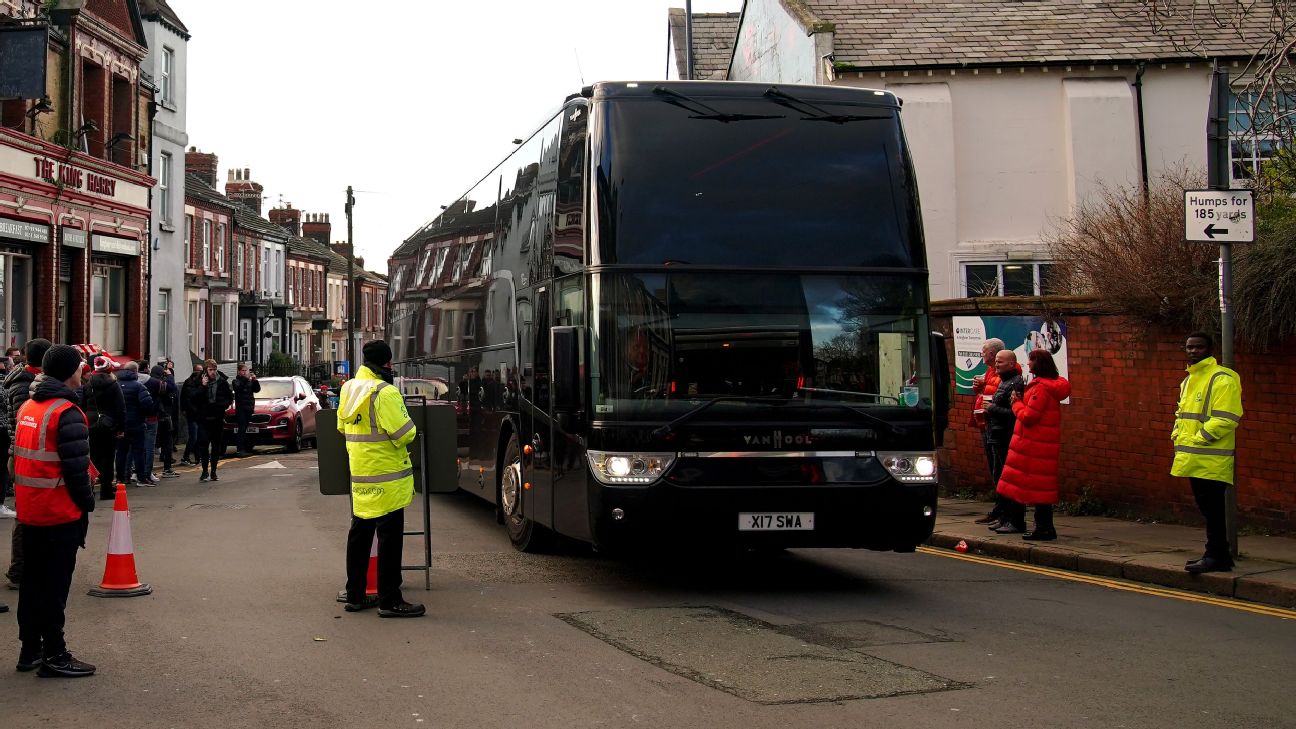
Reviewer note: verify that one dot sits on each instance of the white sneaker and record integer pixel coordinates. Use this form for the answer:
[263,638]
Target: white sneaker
[7,513]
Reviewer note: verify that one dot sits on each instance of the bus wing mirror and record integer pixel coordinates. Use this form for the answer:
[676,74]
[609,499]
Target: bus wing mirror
[941,396]
[568,347]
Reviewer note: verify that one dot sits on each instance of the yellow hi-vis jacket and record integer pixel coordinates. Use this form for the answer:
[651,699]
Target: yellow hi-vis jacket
[376,426]
[1210,410]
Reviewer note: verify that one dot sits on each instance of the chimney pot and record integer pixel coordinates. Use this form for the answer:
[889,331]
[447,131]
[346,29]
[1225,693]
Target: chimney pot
[247,173]
[231,175]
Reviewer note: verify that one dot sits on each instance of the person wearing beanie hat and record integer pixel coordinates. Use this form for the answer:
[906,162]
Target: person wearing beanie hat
[61,362]
[377,428]
[55,520]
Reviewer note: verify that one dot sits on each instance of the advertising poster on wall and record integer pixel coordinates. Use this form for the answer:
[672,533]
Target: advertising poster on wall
[1019,333]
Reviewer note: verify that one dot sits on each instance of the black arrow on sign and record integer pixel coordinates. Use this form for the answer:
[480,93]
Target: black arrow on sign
[1211,230]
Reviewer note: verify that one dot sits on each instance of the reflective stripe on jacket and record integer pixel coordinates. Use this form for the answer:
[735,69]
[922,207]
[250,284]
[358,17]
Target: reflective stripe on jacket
[1209,412]
[377,428]
[39,491]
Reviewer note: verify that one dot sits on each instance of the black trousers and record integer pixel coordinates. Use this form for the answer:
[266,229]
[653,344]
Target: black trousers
[51,553]
[996,454]
[391,542]
[103,454]
[1210,500]
[165,443]
[1044,518]
[211,443]
[6,484]
[14,573]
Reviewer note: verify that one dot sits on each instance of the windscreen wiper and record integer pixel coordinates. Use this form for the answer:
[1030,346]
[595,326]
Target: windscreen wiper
[895,429]
[702,111]
[816,113]
[668,428]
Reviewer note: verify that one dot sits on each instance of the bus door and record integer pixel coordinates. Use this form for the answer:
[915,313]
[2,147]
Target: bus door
[569,353]
[533,411]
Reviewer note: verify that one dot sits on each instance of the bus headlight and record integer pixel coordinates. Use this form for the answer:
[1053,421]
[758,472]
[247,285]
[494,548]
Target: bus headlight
[629,468]
[910,467]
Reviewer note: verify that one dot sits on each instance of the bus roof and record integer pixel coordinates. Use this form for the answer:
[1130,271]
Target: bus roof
[742,89]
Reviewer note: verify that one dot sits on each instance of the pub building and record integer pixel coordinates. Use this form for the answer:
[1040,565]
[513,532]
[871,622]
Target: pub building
[74,181]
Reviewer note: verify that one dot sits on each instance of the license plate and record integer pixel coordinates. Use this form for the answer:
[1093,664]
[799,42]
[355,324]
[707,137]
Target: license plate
[776,521]
[253,429]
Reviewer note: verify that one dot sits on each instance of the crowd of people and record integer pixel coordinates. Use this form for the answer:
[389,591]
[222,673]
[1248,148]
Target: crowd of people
[71,419]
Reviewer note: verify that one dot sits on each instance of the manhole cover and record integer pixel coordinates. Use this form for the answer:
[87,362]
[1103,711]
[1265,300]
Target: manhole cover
[751,659]
[229,507]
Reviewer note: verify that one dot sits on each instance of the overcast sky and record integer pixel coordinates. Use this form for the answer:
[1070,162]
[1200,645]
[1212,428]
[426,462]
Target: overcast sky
[410,105]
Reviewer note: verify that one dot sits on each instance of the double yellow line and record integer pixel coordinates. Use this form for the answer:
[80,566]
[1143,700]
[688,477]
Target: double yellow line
[1224,602]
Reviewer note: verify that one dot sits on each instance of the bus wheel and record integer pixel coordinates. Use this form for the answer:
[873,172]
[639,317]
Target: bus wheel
[525,534]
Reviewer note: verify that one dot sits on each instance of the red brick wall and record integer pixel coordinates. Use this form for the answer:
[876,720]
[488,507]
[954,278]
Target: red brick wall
[1116,431]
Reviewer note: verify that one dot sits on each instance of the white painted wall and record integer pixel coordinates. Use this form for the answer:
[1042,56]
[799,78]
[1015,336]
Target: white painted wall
[166,240]
[1028,145]
[772,46]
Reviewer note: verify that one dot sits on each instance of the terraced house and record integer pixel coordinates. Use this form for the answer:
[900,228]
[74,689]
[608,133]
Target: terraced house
[75,176]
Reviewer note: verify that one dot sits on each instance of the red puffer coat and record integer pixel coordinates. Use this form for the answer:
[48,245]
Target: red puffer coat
[1031,471]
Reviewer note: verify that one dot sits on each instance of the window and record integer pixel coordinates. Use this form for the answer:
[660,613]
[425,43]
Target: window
[218,332]
[15,299]
[439,266]
[469,328]
[1257,126]
[164,185]
[220,247]
[1011,278]
[241,273]
[106,306]
[168,76]
[206,245]
[447,324]
[188,234]
[191,320]
[164,322]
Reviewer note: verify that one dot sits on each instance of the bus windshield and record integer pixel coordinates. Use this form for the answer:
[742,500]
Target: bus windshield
[761,185]
[667,341]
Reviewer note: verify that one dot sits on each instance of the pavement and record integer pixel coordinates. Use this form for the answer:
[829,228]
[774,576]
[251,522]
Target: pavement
[1142,552]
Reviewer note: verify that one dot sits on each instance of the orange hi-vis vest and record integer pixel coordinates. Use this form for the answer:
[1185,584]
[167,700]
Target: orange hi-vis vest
[42,496]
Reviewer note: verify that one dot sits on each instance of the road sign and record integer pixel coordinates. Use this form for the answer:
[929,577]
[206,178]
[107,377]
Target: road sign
[1219,216]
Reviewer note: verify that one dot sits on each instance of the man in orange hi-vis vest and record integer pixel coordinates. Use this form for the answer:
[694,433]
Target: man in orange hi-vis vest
[54,492]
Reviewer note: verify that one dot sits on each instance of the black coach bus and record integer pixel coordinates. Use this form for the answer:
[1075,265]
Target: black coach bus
[688,312]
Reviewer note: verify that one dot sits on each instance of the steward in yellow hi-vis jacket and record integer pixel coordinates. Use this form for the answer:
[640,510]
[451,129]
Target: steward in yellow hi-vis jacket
[377,428]
[1209,413]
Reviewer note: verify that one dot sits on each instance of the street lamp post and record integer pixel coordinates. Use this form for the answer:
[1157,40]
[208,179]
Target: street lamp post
[350,297]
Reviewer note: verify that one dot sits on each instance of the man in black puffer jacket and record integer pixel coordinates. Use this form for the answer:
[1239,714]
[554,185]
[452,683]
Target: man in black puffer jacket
[55,498]
[17,388]
[105,409]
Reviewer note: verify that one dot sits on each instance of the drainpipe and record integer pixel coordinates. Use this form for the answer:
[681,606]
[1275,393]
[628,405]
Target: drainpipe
[1142,131]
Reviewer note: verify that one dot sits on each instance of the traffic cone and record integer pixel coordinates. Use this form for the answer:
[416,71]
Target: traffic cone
[371,578]
[119,578]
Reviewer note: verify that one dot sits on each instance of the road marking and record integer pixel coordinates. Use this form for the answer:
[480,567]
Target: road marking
[1114,584]
[271,464]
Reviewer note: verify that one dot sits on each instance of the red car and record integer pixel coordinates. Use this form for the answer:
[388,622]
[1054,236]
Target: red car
[284,415]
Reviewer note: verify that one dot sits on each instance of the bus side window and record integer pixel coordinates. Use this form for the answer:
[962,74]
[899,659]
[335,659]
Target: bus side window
[569,214]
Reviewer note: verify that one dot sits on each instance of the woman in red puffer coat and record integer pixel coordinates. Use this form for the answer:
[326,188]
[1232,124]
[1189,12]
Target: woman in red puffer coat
[1030,475]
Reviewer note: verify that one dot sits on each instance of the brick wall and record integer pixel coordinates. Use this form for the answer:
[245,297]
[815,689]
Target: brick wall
[1116,431]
